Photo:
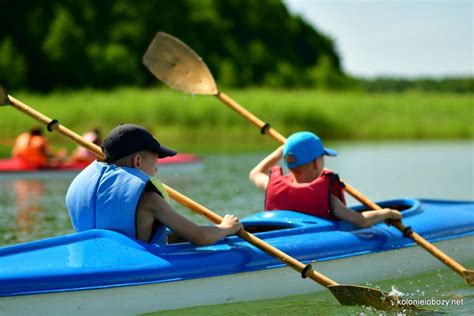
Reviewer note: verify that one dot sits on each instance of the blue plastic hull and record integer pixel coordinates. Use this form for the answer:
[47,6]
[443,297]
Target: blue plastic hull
[100,259]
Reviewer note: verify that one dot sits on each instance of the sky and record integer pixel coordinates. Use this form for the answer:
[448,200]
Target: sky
[403,38]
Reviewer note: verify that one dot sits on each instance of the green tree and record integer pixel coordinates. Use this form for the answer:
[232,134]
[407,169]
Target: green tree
[12,64]
[326,76]
[100,43]
[63,48]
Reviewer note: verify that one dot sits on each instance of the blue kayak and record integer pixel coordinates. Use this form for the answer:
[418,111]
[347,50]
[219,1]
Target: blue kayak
[101,271]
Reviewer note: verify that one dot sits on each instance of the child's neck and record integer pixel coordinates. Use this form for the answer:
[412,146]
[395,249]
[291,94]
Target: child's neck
[306,176]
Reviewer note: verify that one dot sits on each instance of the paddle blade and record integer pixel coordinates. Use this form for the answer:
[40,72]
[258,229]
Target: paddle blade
[177,65]
[3,96]
[354,295]
[469,277]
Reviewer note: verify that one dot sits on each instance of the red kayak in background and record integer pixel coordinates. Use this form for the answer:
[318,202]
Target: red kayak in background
[12,165]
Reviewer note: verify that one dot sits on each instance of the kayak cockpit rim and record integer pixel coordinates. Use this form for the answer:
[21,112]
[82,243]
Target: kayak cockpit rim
[274,222]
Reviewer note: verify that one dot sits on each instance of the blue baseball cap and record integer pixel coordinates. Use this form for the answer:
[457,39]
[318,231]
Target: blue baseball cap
[303,147]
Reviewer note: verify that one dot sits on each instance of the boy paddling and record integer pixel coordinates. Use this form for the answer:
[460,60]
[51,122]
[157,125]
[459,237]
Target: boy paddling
[309,187]
[119,194]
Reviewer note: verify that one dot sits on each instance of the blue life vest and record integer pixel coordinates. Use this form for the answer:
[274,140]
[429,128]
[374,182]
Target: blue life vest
[105,196]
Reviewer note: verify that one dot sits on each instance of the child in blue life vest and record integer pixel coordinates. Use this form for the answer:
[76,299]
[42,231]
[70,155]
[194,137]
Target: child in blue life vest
[309,187]
[119,194]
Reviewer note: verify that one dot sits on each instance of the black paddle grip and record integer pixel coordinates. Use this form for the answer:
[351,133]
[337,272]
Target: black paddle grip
[265,128]
[50,125]
[407,231]
[305,269]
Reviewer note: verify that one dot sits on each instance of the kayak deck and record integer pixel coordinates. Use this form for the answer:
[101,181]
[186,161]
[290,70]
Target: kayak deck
[102,259]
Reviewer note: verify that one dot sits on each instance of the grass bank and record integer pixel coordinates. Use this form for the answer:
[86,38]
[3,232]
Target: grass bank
[204,124]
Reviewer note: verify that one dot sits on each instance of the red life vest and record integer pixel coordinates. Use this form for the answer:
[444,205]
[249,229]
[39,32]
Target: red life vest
[313,198]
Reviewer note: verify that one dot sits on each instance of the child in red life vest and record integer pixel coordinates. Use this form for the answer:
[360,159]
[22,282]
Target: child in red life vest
[309,187]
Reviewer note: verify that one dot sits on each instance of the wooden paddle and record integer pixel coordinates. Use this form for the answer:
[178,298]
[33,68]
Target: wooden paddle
[345,294]
[176,64]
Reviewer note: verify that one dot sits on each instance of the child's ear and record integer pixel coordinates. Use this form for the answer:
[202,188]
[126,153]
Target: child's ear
[317,163]
[137,161]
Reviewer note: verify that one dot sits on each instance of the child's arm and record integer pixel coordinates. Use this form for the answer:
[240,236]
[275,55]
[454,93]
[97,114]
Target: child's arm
[259,174]
[364,219]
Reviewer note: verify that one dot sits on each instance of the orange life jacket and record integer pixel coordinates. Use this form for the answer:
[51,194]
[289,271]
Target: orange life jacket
[313,198]
[31,149]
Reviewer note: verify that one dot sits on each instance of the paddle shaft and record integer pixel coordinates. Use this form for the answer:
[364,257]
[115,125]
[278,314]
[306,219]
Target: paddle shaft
[180,198]
[417,238]
[455,266]
[351,190]
[249,116]
[57,127]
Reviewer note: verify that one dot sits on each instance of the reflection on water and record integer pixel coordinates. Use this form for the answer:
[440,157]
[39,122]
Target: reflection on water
[32,207]
[28,195]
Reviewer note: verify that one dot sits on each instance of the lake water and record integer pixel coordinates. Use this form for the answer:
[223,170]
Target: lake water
[32,207]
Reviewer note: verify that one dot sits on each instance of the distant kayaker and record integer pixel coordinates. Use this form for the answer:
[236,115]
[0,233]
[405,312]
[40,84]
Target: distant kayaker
[309,187]
[82,154]
[32,149]
[119,194]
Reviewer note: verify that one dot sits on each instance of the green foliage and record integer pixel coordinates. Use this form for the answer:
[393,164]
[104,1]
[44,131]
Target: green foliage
[323,75]
[457,85]
[228,75]
[12,64]
[48,44]
[113,60]
[203,122]
[284,76]
[65,38]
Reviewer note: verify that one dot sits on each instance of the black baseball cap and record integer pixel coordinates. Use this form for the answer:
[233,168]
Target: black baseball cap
[127,139]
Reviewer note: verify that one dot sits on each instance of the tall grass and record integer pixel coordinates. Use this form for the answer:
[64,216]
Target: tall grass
[203,123]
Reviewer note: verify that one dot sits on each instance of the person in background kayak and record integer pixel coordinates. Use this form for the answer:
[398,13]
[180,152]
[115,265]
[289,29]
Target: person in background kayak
[309,187]
[82,154]
[32,149]
[119,195]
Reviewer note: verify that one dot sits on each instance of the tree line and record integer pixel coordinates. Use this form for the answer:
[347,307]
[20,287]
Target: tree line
[50,44]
